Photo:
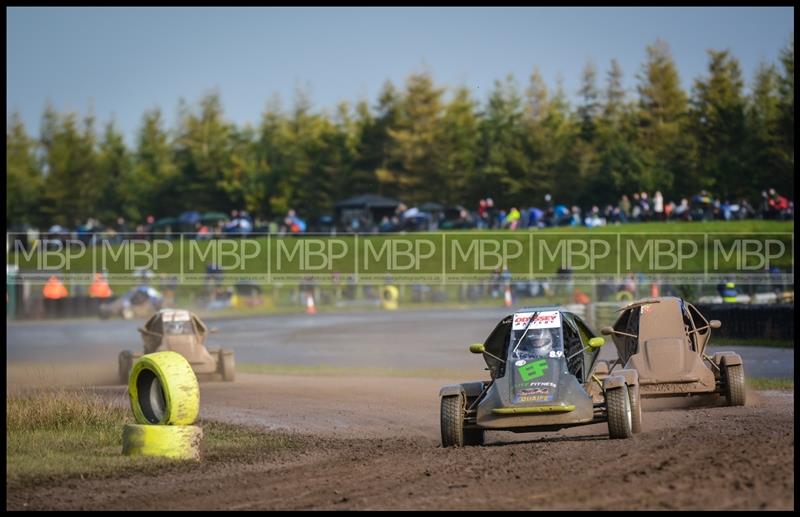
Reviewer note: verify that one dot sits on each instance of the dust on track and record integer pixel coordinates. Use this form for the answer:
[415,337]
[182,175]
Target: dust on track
[372,443]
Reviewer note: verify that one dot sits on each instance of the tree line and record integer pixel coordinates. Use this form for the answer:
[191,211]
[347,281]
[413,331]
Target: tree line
[423,143]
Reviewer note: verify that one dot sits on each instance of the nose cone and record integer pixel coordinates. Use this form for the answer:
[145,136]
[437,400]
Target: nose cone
[535,380]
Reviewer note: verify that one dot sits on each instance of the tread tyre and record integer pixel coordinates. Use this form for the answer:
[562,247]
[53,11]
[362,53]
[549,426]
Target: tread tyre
[163,390]
[620,419]
[168,441]
[734,385]
[452,421]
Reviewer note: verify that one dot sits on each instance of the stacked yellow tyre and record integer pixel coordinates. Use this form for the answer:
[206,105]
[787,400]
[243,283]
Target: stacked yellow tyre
[165,399]
[390,297]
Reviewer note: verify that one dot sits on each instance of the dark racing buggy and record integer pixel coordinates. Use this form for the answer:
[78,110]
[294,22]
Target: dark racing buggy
[541,363]
[665,340]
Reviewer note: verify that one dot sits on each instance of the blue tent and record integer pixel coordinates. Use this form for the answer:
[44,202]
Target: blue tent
[189,218]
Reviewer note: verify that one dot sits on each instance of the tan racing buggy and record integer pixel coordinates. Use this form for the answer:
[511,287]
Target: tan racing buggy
[183,332]
[665,340]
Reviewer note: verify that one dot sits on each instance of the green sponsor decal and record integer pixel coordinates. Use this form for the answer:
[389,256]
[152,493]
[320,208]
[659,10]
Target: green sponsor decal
[533,370]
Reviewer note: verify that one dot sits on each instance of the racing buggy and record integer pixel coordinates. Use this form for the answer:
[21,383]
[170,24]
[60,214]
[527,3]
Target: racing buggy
[664,339]
[542,367]
[183,332]
[139,302]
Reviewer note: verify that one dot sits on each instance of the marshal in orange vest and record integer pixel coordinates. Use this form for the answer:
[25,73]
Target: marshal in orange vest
[54,289]
[99,288]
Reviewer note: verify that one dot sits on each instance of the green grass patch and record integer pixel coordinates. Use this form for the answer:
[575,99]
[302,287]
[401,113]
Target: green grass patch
[618,248]
[771,384]
[56,436]
[774,343]
[318,370]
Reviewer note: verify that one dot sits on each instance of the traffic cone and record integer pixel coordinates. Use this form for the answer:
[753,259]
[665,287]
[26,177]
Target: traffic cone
[654,290]
[508,300]
[310,307]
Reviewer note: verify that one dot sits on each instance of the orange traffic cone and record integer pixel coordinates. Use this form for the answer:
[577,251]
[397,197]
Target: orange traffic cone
[508,300]
[654,290]
[310,307]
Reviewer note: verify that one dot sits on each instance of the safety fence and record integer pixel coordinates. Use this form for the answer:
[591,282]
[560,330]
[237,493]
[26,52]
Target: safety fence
[774,321]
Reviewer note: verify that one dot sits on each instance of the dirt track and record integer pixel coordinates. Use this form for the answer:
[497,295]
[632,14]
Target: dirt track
[370,442]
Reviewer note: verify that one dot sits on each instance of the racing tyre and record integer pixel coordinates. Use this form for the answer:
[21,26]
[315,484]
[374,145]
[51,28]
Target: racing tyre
[180,442]
[636,409]
[620,419]
[452,421]
[227,365]
[734,385]
[163,390]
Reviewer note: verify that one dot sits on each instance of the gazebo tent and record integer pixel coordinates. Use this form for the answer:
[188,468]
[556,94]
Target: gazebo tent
[371,207]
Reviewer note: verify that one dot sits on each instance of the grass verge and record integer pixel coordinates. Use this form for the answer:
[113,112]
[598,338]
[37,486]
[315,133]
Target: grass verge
[54,436]
[771,384]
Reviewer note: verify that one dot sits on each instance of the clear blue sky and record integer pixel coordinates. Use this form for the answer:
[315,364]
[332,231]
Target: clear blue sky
[123,61]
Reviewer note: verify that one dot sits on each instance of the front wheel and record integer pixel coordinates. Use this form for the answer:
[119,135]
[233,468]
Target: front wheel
[620,418]
[734,385]
[452,424]
[452,421]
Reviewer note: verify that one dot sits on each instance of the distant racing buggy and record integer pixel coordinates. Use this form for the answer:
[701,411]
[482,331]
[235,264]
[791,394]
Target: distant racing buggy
[139,302]
[183,332]
[541,362]
[664,339]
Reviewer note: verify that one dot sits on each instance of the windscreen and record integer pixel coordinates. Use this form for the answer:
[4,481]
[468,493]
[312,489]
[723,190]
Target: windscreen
[177,322]
[542,338]
[178,327]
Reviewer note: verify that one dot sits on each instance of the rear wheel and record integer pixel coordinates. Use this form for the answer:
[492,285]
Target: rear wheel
[125,363]
[636,409]
[227,365]
[734,385]
[620,419]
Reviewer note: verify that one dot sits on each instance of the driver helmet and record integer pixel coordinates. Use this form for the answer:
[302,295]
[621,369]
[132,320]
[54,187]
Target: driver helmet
[540,341]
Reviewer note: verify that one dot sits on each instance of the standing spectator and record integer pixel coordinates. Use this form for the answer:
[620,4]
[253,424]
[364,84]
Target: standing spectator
[778,205]
[636,208]
[483,215]
[668,209]
[624,208]
[490,212]
[575,217]
[512,219]
[682,211]
[763,207]
[646,208]
[549,212]
[658,206]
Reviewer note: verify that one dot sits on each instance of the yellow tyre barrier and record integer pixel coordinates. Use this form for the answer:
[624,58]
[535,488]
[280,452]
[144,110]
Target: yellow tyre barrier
[389,297]
[180,442]
[163,390]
